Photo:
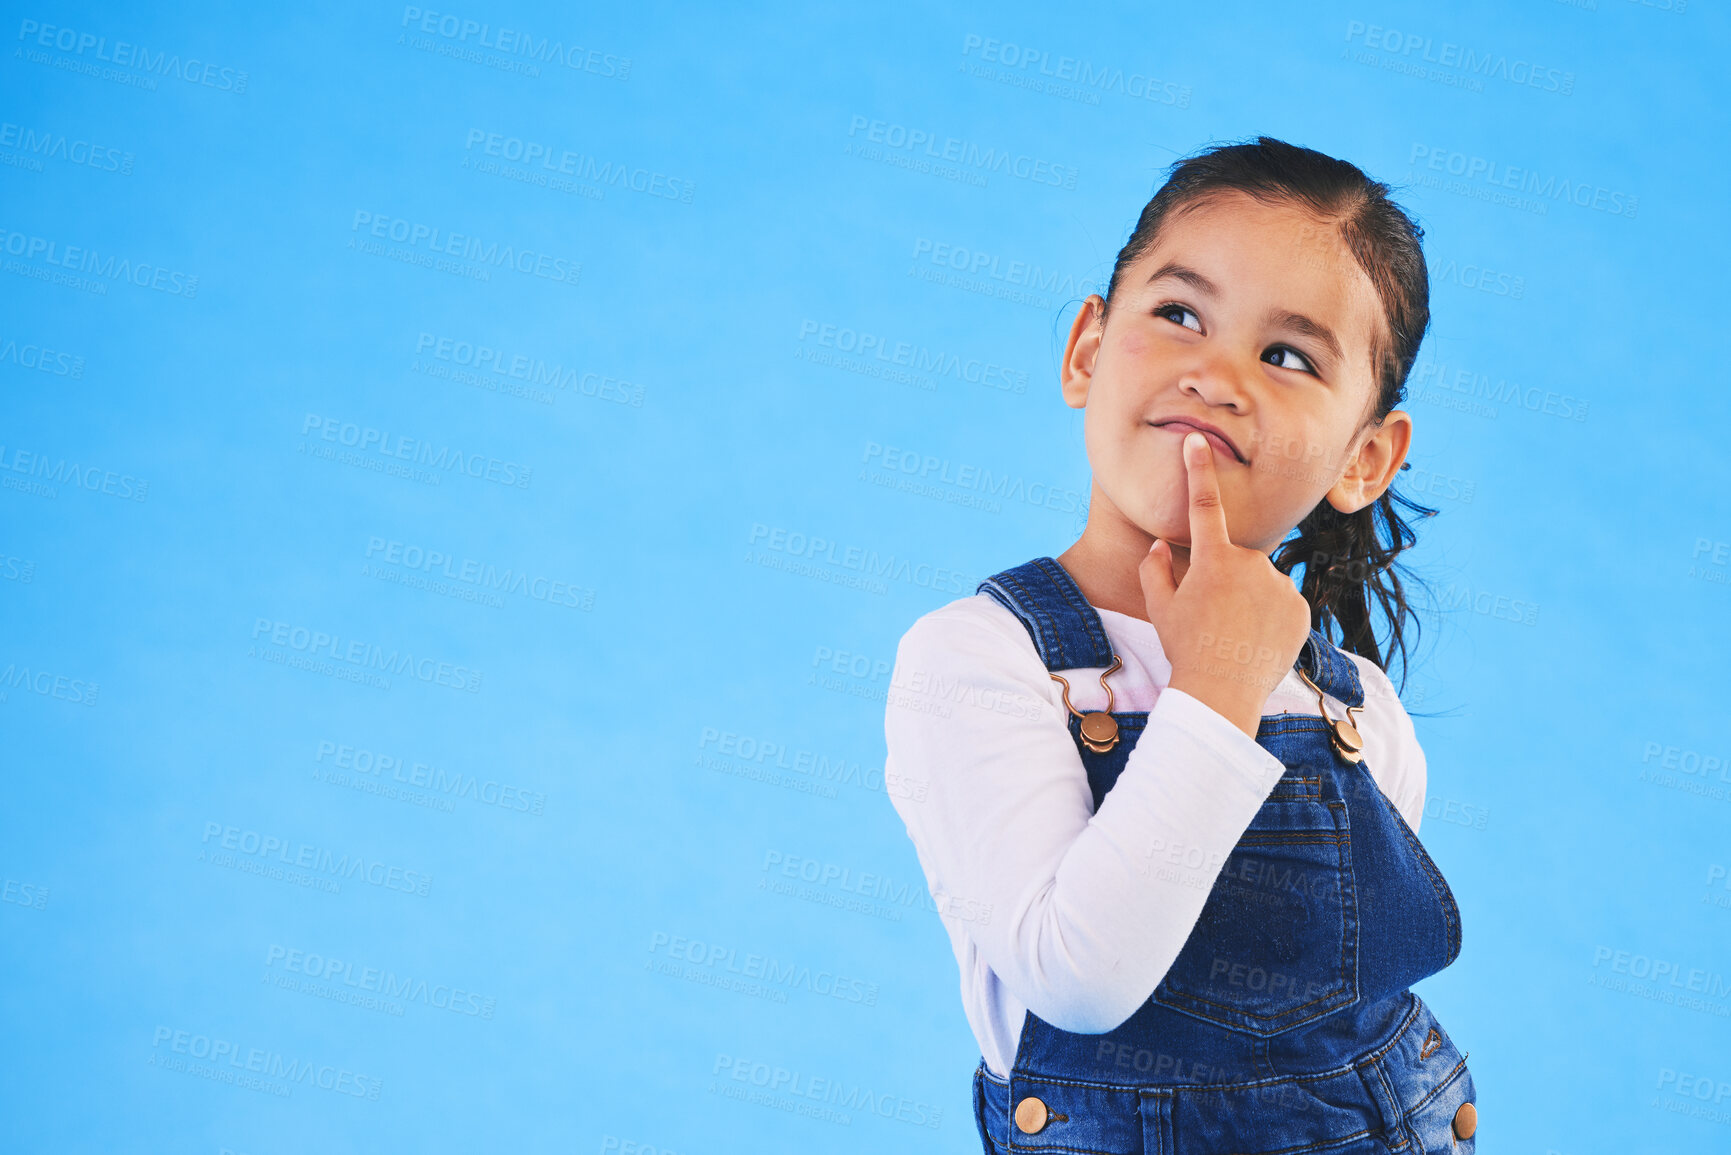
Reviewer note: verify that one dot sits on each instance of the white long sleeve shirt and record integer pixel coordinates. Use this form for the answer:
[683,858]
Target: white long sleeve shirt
[1050,905]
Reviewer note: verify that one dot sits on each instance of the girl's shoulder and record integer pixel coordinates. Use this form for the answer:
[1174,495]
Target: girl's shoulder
[975,652]
[975,617]
[1379,692]
[1392,749]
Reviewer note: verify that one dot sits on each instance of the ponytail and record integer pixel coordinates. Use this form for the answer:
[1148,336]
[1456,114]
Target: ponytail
[1349,562]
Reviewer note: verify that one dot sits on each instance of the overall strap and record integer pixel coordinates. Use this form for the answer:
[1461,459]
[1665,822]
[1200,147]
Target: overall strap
[1068,633]
[1331,668]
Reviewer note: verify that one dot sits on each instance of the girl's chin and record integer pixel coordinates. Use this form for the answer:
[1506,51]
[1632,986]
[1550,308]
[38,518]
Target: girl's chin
[1174,527]
[1166,527]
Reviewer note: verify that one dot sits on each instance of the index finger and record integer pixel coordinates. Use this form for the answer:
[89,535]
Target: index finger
[1207,514]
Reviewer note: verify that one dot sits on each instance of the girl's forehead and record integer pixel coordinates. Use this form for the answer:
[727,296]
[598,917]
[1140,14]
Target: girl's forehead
[1232,229]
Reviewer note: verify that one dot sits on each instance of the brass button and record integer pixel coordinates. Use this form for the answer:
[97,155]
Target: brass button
[1466,1121]
[1099,731]
[1030,1115]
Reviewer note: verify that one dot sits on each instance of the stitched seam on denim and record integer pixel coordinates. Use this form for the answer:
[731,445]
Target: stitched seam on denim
[1078,605]
[1051,629]
[1324,1145]
[1021,582]
[1346,947]
[1176,997]
[1014,1146]
[1387,1106]
[1312,666]
[1332,662]
[1039,605]
[1394,1039]
[1028,591]
[1273,724]
[1352,680]
[1029,1018]
[1253,1015]
[1040,1081]
[1168,1089]
[1401,1127]
[1299,1013]
[1358,1063]
[1320,667]
[1172,1089]
[1304,788]
[1277,724]
[1348,933]
[1442,1085]
[1136,722]
[1291,838]
[1283,723]
[1451,913]
[1326,996]
[1039,623]
[989,1144]
[1027,1076]
[1331,668]
[1318,1146]
[1343,670]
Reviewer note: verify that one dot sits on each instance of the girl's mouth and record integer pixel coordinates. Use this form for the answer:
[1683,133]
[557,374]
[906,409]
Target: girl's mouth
[1216,437]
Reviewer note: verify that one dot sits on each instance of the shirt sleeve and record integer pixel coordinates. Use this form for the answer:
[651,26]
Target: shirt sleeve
[1399,768]
[1079,913]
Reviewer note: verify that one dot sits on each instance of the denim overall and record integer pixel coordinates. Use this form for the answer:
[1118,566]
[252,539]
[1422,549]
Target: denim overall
[1285,1024]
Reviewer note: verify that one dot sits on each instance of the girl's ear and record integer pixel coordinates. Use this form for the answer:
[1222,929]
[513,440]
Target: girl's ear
[1372,469]
[1077,372]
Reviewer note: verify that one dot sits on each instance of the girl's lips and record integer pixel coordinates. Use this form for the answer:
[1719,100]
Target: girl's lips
[1183,425]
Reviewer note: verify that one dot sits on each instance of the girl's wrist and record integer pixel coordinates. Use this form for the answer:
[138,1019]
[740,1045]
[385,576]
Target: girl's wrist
[1237,701]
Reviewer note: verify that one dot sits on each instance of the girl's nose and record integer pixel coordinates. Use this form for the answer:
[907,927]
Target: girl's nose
[1217,381]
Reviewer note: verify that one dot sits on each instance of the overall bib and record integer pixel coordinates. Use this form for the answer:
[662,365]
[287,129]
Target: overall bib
[1285,1024]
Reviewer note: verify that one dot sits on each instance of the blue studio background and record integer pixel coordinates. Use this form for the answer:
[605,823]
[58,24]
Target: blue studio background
[463,477]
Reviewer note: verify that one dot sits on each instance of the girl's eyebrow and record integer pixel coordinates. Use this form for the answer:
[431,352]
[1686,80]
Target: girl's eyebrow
[1186,274]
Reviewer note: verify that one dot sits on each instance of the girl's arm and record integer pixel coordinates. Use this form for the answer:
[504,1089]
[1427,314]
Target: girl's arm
[1392,752]
[1083,912]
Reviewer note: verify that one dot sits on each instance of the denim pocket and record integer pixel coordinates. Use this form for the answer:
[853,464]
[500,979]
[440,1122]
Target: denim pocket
[1276,945]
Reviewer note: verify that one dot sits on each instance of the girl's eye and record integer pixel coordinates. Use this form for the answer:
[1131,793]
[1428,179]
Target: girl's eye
[1177,314]
[1286,357]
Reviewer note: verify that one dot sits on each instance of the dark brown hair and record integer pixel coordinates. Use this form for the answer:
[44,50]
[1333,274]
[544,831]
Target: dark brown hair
[1348,558]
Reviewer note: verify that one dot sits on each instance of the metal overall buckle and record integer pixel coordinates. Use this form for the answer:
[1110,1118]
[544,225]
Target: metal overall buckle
[1099,728]
[1345,736]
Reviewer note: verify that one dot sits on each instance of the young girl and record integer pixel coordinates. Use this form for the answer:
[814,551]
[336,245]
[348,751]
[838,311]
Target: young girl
[1169,823]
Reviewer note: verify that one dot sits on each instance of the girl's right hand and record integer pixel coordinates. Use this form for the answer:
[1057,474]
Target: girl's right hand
[1235,624]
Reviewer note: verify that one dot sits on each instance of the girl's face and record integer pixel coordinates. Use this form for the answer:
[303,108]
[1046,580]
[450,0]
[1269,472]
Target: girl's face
[1253,324]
